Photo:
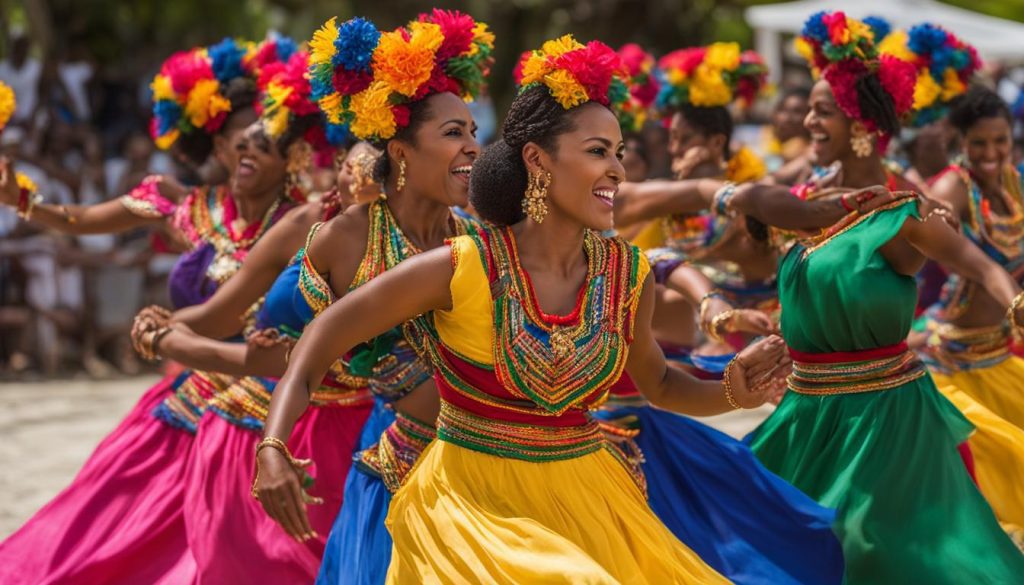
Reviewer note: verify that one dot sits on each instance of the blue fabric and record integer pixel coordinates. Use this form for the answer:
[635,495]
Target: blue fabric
[284,306]
[743,520]
[358,549]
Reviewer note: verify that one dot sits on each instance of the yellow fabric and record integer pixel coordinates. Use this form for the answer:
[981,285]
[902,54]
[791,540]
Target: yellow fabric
[997,447]
[468,327]
[468,517]
[999,388]
[652,236]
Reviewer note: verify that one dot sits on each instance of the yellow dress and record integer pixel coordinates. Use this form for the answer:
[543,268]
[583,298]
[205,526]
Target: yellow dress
[521,487]
[975,370]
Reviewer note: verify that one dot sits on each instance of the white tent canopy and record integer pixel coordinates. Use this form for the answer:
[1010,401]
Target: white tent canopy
[995,38]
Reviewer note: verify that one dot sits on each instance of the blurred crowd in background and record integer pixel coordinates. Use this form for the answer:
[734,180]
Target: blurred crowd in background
[80,131]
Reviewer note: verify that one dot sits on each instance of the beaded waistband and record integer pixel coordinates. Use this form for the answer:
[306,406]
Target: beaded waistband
[528,442]
[247,402]
[193,391]
[399,447]
[854,372]
[953,349]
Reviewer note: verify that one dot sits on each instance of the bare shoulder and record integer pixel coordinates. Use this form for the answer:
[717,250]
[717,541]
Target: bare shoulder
[952,189]
[341,239]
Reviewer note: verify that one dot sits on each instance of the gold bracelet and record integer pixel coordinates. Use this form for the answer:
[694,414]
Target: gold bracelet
[148,350]
[727,384]
[1011,313]
[68,218]
[717,323]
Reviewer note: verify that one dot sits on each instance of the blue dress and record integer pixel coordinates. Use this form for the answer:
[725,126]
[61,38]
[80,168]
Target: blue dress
[712,493]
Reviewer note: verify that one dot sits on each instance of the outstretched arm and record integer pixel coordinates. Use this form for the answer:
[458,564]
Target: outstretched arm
[414,287]
[750,374]
[648,200]
[937,240]
[102,218]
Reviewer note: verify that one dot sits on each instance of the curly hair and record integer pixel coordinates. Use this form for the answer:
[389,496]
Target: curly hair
[979,102]
[498,180]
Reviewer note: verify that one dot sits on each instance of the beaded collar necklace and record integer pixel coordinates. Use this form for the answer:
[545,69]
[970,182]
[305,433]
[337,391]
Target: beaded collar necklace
[559,361]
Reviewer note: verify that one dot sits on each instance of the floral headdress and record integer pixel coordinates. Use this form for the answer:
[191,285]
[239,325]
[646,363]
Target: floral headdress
[944,64]
[364,80]
[710,76]
[286,100]
[643,87]
[575,73]
[842,50]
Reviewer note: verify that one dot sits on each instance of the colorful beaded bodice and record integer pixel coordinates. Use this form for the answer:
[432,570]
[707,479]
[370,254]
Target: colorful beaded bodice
[389,363]
[558,361]
[528,392]
[1000,237]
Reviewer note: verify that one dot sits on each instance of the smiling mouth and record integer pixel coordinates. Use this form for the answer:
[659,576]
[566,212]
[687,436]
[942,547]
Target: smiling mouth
[462,172]
[606,196]
[246,168]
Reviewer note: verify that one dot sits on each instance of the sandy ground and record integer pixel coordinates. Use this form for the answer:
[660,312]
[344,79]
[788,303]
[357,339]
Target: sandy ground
[48,429]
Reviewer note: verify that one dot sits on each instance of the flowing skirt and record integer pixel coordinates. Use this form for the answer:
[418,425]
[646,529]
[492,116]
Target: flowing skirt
[999,388]
[887,461]
[232,538]
[359,546]
[997,448]
[469,517]
[716,497]
[120,520]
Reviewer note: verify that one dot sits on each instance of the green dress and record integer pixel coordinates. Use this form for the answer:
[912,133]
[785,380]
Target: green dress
[887,460]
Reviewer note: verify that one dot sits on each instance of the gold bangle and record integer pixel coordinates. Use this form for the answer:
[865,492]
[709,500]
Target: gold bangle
[68,218]
[717,323]
[727,384]
[1011,313]
[273,443]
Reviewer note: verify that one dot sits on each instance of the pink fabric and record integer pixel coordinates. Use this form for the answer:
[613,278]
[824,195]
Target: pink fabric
[120,520]
[232,538]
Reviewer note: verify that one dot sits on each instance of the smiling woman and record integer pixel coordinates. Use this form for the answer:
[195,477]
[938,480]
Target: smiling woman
[527,323]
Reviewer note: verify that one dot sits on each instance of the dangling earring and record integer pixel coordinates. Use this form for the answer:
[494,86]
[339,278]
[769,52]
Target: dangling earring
[300,158]
[860,140]
[400,182]
[534,204]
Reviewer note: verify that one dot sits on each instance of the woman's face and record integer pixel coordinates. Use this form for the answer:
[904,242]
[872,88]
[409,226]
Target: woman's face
[439,163]
[988,144]
[828,126]
[788,117]
[682,137]
[586,168]
[355,175]
[633,161]
[225,143]
[261,166]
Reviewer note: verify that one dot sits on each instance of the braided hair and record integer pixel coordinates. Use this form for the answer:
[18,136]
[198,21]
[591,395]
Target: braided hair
[499,177]
[877,104]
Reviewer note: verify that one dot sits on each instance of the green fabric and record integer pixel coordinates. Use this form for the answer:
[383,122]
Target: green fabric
[907,511]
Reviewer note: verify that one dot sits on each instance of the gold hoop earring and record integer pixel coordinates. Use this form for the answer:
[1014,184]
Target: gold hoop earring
[534,202]
[400,182]
[860,140]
